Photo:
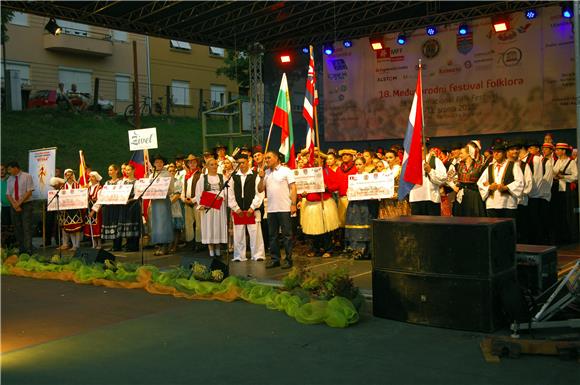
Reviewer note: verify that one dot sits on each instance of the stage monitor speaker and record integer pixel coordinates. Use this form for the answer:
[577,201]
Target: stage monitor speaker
[454,302]
[210,263]
[90,255]
[537,267]
[476,247]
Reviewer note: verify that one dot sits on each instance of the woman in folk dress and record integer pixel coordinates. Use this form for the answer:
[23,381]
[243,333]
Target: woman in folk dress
[94,220]
[110,213]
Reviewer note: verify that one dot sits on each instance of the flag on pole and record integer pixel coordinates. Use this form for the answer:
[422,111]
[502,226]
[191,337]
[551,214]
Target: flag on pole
[138,163]
[283,119]
[83,177]
[310,101]
[412,167]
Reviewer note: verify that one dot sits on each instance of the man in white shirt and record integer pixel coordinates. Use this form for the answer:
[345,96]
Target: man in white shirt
[501,185]
[278,182]
[19,193]
[244,200]
[540,194]
[425,199]
[518,153]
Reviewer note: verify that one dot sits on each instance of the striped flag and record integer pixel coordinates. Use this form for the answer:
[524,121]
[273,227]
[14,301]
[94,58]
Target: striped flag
[283,119]
[83,177]
[310,103]
[412,167]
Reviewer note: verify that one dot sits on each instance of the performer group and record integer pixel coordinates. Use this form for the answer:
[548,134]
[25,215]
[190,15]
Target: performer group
[248,204]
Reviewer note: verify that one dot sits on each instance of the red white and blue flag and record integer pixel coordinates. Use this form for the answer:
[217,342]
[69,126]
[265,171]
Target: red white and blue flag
[412,167]
[308,111]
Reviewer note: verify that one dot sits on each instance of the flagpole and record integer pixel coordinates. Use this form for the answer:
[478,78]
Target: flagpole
[422,114]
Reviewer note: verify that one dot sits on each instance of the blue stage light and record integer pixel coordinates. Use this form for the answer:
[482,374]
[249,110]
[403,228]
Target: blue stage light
[328,49]
[401,39]
[531,14]
[347,43]
[431,30]
[305,50]
[567,12]
[463,30]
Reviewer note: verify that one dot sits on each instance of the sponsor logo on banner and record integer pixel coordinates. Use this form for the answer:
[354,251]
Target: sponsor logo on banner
[339,65]
[467,64]
[451,68]
[511,57]
[431,48]
[390,54]
[465,43]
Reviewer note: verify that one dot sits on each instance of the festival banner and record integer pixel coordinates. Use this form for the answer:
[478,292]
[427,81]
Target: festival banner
[158,190]
[41,165]
[68,199]
[482,82]
[309,180]
[377,185]
[142,139]
[115,194]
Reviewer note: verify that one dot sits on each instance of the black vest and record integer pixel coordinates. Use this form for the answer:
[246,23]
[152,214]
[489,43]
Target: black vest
[249,190]
[508,176]
[206,185]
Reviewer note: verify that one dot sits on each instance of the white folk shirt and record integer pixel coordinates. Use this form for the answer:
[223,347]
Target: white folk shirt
[277,183]
[570,175]
[528,183]
[544,188]
[258,198]
[499,200]
[429,190]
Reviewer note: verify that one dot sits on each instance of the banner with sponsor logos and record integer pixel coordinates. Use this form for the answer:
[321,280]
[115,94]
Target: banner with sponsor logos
[309,180]
[41,166]
[377,185]
[115,194]
[483,82]
[72,199]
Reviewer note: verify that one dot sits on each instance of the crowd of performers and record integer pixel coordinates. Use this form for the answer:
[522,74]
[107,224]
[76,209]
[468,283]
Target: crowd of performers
[533,183]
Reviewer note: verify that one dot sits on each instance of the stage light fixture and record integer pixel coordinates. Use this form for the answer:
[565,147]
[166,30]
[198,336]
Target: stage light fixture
[431,30]
[567,12]
[305,50]
[401,39]
[347,43]
[500,23]
[328,49]
[531,14]
[463,29]
[376,43]
[285,58]
[52,27]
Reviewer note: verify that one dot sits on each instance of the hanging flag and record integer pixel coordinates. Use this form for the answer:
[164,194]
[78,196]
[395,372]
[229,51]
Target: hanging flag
[283,119]
[310,103]
[412,167]
[83,177]
[138,163]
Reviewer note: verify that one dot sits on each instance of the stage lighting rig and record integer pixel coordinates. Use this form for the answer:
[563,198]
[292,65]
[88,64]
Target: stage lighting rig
[463,29]
[285,58]
[431,30]
[328,49]
[401,39]
[567,11]
[531,14]
[347,43]
[305,50]
[52,27]
[376,43]
[500,23]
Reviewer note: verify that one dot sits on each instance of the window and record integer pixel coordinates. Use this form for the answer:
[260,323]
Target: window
[82,78]
[120,35]
[180,92]
[20,18]
[123,83]
[22,68]
[218,95]
[180,45]
[72,28]
[216,51]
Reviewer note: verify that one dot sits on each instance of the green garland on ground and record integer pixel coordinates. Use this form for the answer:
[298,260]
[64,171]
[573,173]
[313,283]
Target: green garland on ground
[335,311]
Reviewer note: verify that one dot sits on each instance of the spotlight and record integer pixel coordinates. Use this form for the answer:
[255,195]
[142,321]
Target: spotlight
[463,29]
[531,14]
[347,43]
[52,27]
[567,12]
[431,30]
[500,24]
[285,58]
[401,39]
[376,43]
[305,50]
[328,49]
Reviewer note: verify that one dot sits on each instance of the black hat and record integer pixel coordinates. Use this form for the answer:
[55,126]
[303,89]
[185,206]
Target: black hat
[159,156]
[499,146]
[179,157]
[218,146]
[207,152]
[513,144]
[533,143]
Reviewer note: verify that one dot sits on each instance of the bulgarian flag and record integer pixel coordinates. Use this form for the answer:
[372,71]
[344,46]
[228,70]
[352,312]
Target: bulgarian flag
[283,119]
[83,177]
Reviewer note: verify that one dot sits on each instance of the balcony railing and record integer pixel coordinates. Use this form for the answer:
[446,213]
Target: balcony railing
[79,41]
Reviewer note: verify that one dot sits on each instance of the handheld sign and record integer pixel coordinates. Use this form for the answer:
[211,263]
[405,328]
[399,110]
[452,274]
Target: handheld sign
[309,180]
[370,186]
[68,199]
[158,190]
[114,194]
[142,139]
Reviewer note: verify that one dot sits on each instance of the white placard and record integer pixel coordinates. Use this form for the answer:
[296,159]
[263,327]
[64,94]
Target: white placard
[309,180]
[377,185]
[158,189]
[114,194]
[77,198]
[142,139]
[41,164]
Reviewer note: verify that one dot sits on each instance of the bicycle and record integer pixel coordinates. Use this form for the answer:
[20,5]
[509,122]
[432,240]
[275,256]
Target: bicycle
[144,108]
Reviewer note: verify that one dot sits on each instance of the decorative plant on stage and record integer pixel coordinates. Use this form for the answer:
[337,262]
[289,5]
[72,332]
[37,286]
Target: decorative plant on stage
[335,283]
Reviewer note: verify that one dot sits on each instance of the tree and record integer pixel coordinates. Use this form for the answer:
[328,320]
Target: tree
[236,67]
[7,15]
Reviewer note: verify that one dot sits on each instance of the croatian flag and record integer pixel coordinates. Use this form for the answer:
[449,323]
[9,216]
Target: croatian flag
[308,111]
[412,168]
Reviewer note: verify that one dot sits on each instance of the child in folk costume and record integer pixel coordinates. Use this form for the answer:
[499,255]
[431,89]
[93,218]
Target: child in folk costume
[110,213]
[94,220]
[392,207]
[359,216]
[213,221]
[71,220]
[129,224]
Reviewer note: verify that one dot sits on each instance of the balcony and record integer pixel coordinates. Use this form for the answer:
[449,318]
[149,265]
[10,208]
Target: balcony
[86,43]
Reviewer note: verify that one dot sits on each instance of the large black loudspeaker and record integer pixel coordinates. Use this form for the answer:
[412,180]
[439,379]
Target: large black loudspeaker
[537,267]
[90,255]
[210,263]
[443,271]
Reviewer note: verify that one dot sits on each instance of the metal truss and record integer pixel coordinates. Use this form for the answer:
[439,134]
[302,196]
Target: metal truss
[256,55]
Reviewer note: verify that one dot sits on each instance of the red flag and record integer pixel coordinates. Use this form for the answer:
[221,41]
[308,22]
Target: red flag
[283,119]
[308,111]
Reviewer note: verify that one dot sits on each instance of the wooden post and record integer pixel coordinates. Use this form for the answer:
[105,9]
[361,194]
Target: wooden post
[200,102]
[96,95]
[44,225]
[168,100]
[136,106]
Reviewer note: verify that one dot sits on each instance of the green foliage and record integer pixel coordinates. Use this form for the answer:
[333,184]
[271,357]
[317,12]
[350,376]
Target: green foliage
[7,15]
[336,283]
[236,67]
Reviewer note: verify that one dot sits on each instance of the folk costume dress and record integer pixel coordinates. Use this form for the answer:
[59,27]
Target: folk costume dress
[110,217]
[359,216]
[468,202]
[213,221]
[71,220]
[160,216]
[392,207]
[129,224]
[93,224]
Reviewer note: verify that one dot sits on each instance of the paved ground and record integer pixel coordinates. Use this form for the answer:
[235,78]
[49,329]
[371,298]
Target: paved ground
[57,332]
